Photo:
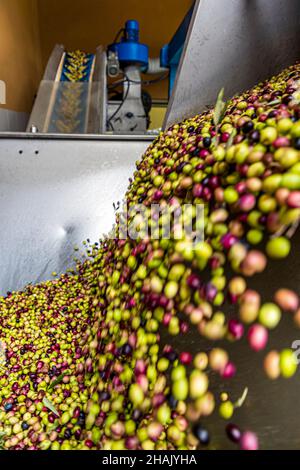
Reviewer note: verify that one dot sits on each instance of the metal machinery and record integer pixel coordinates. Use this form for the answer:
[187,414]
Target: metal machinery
[73,96]
[132,57]
[57,188]
[71,104]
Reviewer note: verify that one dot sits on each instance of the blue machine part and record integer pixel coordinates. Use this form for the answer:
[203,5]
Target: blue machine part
[170,54]
[130,50]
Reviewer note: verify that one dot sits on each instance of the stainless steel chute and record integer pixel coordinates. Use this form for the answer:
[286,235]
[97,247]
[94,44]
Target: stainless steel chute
[55,193]
[232,44]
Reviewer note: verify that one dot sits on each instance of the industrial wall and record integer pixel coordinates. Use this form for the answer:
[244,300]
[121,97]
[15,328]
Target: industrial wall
[85,24]
[20,54]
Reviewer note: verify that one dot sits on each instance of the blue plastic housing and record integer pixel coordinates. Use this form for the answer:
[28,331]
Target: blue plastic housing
[170,54]
[130,50]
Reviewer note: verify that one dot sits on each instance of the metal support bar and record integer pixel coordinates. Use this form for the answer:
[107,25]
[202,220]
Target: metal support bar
[98,97]
[131,116]
[50,73]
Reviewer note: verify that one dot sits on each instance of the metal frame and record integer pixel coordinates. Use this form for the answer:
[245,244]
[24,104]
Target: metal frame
[90,137]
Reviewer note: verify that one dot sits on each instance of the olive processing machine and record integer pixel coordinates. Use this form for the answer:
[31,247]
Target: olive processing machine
[73,97]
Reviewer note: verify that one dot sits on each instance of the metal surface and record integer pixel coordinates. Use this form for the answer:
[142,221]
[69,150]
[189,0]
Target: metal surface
[233,44]
[40,108]
[54,194]
[67,107]
[12,121]
[53,63]
[75,137]
[271,408]
[98,98]
[56,191]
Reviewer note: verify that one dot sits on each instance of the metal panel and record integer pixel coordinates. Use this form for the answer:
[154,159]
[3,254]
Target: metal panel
[12,121]
[170,54]
[54,62]
[98,99]
[54,199]
[54,193]
[40,110]
[69,107]
[46,92]
[233,44]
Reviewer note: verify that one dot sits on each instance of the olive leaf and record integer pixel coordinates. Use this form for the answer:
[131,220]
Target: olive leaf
[220,108]
[50,406]
[231,139]
[57,381]
[218,114]
[241,400]
[215,141]
[272,103]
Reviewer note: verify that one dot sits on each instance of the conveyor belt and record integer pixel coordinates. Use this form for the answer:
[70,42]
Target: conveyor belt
[69,111]
[71,96]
